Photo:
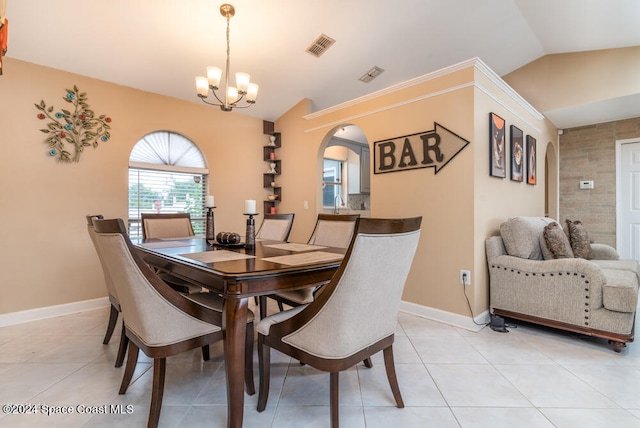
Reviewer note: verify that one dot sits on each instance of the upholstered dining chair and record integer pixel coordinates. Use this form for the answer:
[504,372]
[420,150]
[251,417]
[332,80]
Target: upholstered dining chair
[276,227]
[159,320]
[167,226]
[113,296]
[354,316]
[331,230]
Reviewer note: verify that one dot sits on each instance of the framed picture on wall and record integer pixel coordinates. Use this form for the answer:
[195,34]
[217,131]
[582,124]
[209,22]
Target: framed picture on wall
[497,156]
[517,154]
[531,160]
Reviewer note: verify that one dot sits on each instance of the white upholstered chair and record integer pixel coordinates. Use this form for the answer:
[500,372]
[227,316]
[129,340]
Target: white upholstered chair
[113,297]
[275,227]
[159,320]
[167,226]
[354,316]
[331,230]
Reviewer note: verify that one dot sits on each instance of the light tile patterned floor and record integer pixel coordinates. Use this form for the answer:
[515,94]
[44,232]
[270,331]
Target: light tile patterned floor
[449,377]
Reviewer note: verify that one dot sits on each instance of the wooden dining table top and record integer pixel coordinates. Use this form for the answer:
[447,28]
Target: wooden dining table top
[196,259]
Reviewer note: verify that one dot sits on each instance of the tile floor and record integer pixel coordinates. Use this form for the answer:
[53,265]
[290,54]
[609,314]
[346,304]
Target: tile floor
[449,377]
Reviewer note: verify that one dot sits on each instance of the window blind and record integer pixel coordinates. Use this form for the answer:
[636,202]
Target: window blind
[156,191]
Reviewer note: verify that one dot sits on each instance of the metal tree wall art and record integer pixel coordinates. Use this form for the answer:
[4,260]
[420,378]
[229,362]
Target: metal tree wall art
[78,126]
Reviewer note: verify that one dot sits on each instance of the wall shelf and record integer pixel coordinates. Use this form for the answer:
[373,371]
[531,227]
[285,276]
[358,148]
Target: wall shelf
[270,156]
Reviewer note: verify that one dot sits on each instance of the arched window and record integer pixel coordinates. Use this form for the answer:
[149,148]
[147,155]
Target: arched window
[167,174]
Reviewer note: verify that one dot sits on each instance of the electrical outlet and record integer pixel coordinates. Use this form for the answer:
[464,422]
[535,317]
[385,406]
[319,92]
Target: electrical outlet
[465,277]
[305,205]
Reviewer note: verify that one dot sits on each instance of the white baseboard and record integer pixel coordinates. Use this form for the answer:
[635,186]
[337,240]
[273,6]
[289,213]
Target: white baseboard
[434,314]
[20,317]
[445,317]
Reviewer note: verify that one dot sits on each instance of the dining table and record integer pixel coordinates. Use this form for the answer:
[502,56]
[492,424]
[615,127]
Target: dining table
[239,273]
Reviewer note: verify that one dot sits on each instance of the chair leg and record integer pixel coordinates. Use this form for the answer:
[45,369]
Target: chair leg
[113,318]
[248,361]
[334,387]
[263,307]
[132,360]
[280,306]
[122,349]
[159,368]
[205,353]
[264,366]
[391,375]
[368,363]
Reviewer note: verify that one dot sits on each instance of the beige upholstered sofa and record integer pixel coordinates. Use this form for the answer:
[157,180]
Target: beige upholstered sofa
[596,297]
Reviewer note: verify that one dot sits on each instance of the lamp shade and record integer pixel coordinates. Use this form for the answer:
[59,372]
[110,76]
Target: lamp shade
[232,95]
[202,86]
[214,74]
[242,82]
[252,93]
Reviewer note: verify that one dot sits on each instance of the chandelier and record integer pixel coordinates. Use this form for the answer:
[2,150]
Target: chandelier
[232,95]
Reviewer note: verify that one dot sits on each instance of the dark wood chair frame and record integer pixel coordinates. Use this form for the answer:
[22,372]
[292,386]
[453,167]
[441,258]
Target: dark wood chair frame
[333,366]
[113,312]
[178,284]
[160,353]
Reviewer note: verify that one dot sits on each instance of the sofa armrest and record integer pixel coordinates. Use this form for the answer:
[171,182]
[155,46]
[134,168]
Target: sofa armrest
[564,290]
[603,252]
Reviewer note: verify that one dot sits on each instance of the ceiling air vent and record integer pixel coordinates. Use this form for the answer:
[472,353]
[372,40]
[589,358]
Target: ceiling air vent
[320,45]
[371,74]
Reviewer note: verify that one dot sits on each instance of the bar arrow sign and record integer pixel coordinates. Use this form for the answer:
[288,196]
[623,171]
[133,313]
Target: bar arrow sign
[428,149]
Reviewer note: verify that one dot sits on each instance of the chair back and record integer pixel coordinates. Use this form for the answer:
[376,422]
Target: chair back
[111,288]
[153,311]
[334,230]
[360,305]
[276,227]
[171,225]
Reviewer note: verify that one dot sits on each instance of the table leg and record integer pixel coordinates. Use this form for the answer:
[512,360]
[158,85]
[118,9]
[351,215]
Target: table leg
[235,322]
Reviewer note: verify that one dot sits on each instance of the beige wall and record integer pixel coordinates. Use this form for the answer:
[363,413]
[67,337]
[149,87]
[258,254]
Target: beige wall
[561,80]
[588,153]
[46,256]
[460,205]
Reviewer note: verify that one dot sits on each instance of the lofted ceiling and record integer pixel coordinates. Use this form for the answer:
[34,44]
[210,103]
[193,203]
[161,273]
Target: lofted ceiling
[161,45]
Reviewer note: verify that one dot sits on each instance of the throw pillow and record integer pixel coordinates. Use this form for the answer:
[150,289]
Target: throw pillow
[579,239]
[556,241]
[521,236]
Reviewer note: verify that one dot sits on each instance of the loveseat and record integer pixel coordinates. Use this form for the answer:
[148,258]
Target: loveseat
[532,280]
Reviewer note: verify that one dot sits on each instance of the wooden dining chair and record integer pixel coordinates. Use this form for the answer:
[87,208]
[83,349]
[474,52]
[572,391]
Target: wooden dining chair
[331,230]
[275,227]
[113,296]
[355,316]
[167,226]
[159,320]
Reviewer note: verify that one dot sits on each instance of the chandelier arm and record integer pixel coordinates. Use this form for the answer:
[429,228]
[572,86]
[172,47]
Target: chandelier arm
[217,98]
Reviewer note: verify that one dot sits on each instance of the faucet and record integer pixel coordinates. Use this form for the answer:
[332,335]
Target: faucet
[336,209]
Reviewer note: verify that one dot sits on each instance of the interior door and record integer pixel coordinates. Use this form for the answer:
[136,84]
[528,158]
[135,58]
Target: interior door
[628,200]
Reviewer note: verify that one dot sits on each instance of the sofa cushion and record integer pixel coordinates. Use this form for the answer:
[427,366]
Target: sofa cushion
[620,291]
[521,236]
[579,239]
[620,264]
[554,243]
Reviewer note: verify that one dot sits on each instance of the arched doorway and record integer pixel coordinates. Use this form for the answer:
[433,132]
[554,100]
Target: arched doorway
[344,172]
